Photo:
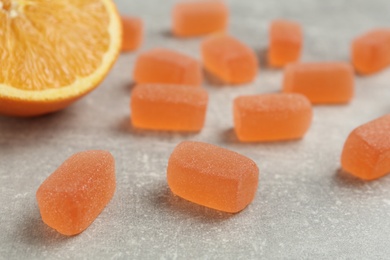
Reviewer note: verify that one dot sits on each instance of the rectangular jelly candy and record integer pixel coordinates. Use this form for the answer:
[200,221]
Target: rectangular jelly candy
[168,107]
[132,33]
[321,83]
[229,59]
[285,43]
[366,152]
[212,176]
[194,18]
[271,117]
[164,66]
[73,196]
[371,51]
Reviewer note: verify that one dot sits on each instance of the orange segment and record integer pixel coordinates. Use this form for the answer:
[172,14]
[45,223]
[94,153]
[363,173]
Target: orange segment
[212,176]
[366,152]
[271,117]
[196,18]
[74,195]
[54,52]
[321,83]
[371,51]
[285,42]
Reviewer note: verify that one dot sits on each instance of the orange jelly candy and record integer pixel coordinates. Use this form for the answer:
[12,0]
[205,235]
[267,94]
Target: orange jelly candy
[285,43]
[366,152]
[168,107]
[196,18]
[371,51]
[212,176]
[271,117]
[229,59]
[132,33]
[322,83]
[167,67]
[74,195]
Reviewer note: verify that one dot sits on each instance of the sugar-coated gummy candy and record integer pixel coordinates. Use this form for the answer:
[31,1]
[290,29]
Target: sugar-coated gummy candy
[212,176]
[166,66]
[366,152]
[229,59]
[271,117]
[371,51]
[168,107]
[132,33]
[285,42]
[194,18]
[321,83]
[73,196]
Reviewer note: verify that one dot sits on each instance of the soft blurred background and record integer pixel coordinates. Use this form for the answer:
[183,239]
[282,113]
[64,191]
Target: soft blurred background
[305,207]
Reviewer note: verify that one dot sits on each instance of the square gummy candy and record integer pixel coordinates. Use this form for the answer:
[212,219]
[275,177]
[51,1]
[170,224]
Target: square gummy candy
[229,59]
[285,43]
[371,51]
[194,18]
[212,176]
[321,83]
[73,196]
[271,117]
[165,66]
[366,152]
[168,107]
[132,33]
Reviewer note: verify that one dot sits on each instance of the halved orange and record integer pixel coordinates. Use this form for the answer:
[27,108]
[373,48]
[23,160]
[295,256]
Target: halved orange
[52,52]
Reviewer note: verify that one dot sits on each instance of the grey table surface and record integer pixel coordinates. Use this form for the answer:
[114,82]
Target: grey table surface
[305,208]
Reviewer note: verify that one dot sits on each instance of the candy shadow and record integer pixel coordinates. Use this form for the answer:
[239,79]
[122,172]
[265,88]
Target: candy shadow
[213,80]
[344,179]
[126,126]
[164,199]
[129,87]
[167,33]
[34,232]
[32,129]
[262,55]
[229,136]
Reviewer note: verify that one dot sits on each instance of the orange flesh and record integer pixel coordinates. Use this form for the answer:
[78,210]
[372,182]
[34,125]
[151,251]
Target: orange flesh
[229,59]
[366,152]
[285,43]
[39,51]
[132,33]
[212,176]
[199,18]
[371,51]
[74,195]
[271,117]
[168,107]
[167,67]
[322,83]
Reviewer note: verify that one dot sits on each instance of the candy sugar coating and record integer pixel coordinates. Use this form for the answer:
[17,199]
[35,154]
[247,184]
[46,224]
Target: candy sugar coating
[371,51]
[321,83]
[271,117]
[165,66]
[132,33]
[73,196]
[366,152]
[212,176]
[285,43]
[196,18]
[229,59]
[168,107]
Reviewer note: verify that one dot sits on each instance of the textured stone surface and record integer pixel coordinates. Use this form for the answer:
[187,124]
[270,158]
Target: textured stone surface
[304,207]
